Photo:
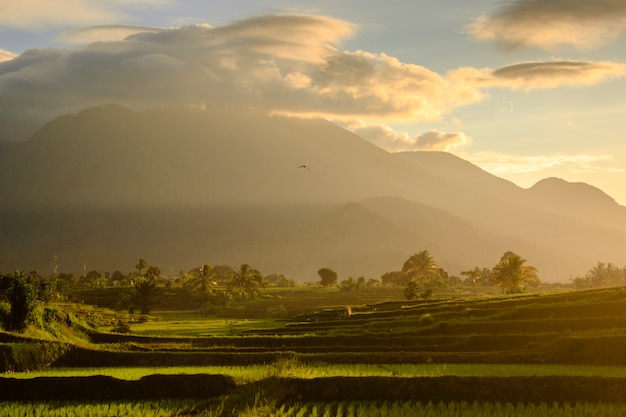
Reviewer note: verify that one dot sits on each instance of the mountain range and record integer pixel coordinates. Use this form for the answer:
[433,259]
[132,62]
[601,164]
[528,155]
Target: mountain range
[103,187]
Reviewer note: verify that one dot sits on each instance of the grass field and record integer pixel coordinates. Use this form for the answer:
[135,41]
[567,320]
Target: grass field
[182,408]
[334,353]
[297,370]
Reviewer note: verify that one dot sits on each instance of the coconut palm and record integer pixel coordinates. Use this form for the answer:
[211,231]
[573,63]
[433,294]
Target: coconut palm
[512,275]
[141,265]
[245,282]
[203,281]
[421,267]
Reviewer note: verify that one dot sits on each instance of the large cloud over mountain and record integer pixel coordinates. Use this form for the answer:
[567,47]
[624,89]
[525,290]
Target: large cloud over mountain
[280,63]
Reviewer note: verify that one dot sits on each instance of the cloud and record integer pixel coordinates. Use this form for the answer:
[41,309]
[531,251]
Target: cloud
[392,140]
[379,134]
[6,55]
[551,23]
[252,63]
[501,164]
[41,14]
[441,141]
[534,75]
[103,33]
[249,61]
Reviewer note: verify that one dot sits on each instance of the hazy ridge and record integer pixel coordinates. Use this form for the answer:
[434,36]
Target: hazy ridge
[180,188]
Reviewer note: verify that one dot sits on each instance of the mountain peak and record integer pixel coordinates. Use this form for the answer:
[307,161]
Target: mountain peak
[561,192]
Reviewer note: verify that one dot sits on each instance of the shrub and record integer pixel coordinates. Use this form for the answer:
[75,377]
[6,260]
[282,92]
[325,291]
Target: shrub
[19,357]
[426,319]
[5,314]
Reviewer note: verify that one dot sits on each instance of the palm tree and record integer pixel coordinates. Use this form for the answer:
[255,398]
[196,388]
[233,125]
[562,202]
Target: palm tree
[512,275]
[246,281]
[141,265]
[203,281]
[145,293]
[421,267]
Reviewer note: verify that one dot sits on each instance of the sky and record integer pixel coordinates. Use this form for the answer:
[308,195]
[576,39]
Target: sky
[525,89]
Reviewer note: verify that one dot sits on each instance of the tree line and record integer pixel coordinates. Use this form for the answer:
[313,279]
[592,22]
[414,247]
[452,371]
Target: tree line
[219,287]
[421,276]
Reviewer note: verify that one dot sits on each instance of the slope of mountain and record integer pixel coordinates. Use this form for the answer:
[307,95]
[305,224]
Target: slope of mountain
[182,188]
[579,200]
[113,157]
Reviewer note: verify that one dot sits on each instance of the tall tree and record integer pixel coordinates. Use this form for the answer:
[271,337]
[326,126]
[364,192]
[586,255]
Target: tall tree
[23,292]
[245,282]
[421,267]
[512,275]
[203,281]
[145,292]
[478,276]
[394,278]
[328,277]
[141,265]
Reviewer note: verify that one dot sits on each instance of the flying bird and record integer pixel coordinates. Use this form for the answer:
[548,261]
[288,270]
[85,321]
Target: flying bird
[304,166]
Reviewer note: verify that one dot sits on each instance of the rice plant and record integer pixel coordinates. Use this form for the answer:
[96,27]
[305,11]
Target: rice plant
[164,408]
[457,409]
[292,368]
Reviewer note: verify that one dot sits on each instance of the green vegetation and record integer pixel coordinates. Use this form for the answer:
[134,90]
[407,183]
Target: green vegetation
[512,275]
[182,408]
[328,277]
[410,409]
[295,369]
[236,343]
[161,408]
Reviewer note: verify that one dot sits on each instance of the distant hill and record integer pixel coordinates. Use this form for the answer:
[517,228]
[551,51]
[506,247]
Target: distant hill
[180,188]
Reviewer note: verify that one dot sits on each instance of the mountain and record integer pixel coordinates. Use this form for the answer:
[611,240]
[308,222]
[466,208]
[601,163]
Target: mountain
[578,200]
[180,188]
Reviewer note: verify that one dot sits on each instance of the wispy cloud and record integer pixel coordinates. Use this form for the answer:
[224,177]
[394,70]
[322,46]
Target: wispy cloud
[552,23]
[251,62]
[393,140]
[41,14]
[435,140]
[535,75]
[6,55]
[103,33]
[502,164]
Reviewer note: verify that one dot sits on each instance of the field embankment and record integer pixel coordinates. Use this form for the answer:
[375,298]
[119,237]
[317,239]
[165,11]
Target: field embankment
[573,328]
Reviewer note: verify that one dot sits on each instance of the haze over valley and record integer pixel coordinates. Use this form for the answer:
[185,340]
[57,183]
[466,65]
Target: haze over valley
[223,185]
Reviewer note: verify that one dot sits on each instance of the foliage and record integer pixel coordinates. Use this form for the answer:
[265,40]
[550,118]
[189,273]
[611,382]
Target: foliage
[144,294]
[245,282]
[141,265]
[289,365]
[512,275]
[601,275]
[478,276]
[395,278]
[145,288]
[21,357]
[412,290]
[262,406]
[423,276]
[202,282]
[348,285]
[160,408]
[23,293]
[444,409]
[421,267]
[327,276]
